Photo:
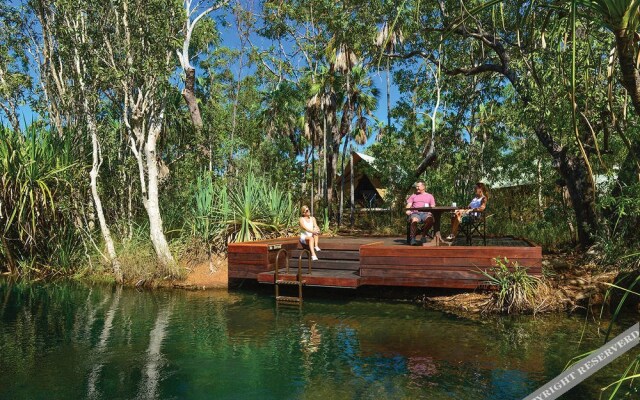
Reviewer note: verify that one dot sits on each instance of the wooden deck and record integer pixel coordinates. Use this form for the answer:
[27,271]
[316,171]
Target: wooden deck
[349,262]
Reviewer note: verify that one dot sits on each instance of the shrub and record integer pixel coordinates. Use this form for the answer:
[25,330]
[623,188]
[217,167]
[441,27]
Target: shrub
[33,186]
[516,290]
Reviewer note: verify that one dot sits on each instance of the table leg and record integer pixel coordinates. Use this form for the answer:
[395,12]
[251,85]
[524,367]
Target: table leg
[436,223]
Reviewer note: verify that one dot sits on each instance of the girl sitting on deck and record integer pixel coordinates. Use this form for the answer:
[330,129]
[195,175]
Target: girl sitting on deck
[310,232]
[476,206]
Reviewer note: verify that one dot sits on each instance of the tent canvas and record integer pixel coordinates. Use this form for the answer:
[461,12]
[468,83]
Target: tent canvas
[368,191]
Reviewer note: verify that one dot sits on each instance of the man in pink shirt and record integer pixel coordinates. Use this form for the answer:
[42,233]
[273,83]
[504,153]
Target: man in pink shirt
[420,199]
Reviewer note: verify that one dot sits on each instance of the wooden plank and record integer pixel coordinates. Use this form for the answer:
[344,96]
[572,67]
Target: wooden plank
[429,274]
[378,243]
[289,239]
[409,282]
[409,262]
[326,278]
[436,267]
[257,262]
[242,274]
[261,246]
[246,248]
[242,257]
[328,264]
[337,246]
[452,252]
[250,268]
[327,254]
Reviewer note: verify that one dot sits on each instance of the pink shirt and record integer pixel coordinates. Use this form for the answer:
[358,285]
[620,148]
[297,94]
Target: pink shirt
[421,200]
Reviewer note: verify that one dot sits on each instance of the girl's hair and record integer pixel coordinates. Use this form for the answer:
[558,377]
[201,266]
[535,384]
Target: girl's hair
[303,210]
[483,187]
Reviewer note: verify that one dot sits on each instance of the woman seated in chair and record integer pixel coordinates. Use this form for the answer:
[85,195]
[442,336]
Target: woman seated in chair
[476,206]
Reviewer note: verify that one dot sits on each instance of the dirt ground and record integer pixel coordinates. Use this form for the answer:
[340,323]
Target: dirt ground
[206,275]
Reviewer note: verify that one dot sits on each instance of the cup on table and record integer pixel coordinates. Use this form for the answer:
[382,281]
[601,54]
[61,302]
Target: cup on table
[454,204]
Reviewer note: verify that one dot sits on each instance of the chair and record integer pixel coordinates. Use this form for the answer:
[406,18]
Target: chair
[475,222]
[419,229]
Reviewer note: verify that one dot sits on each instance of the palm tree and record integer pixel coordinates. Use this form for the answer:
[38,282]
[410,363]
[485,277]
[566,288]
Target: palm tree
[388,39]
[361,101]
[283,107]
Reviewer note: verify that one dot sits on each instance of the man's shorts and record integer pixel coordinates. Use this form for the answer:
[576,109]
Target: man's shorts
[422,216]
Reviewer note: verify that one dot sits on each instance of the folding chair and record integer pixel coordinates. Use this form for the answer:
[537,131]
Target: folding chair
[474,222]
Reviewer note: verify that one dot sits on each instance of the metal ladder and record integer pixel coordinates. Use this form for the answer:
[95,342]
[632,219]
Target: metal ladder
[297,282]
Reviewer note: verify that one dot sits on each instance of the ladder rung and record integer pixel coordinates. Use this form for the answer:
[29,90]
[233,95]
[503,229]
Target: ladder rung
[286,282]
[288,299]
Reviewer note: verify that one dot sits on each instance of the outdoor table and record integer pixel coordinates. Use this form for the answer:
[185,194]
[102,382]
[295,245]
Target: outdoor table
[437,215]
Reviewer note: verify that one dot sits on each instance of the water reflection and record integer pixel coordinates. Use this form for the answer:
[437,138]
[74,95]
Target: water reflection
[75,341]
[149,386]
[92,392]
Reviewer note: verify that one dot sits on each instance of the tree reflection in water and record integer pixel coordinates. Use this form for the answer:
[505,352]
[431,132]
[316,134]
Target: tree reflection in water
[92,392]
[149,385]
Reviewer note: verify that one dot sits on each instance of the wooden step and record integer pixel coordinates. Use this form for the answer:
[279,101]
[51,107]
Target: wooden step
[288,299]
[288,282]
[321,277]
[347,265]
[338,244]
[326,254]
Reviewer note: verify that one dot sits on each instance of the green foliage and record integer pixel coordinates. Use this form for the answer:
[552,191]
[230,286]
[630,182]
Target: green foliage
[515,288]
[268,112]
[33,186]
[245,209]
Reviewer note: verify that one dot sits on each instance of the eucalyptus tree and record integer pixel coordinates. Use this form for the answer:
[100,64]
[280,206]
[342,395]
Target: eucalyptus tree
[622,18]
[78,46]
[139,61]
[195,13]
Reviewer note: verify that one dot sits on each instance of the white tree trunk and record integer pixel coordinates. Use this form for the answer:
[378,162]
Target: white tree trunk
[92,127]
[540,197]
[104,228]
[165,258]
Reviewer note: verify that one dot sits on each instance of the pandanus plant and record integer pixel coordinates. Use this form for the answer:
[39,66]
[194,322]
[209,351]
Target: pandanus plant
[31,174]
[249,209]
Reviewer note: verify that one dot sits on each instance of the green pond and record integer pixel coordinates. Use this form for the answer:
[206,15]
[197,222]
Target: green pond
[65,340]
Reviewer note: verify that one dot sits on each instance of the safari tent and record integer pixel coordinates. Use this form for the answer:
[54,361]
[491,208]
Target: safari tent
[368,191]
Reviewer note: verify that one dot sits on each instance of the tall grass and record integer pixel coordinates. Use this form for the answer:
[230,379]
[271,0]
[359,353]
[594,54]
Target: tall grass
[251,208]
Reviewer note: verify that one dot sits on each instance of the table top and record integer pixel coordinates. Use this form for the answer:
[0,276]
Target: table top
[437,208]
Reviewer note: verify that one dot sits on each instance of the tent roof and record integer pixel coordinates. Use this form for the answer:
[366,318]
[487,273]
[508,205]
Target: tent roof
[361,157]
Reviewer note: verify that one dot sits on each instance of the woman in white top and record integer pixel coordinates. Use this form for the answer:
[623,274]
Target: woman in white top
[310,232]
[476,206]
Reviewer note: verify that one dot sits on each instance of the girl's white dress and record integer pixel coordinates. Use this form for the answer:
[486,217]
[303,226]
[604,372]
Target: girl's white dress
[307,232]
